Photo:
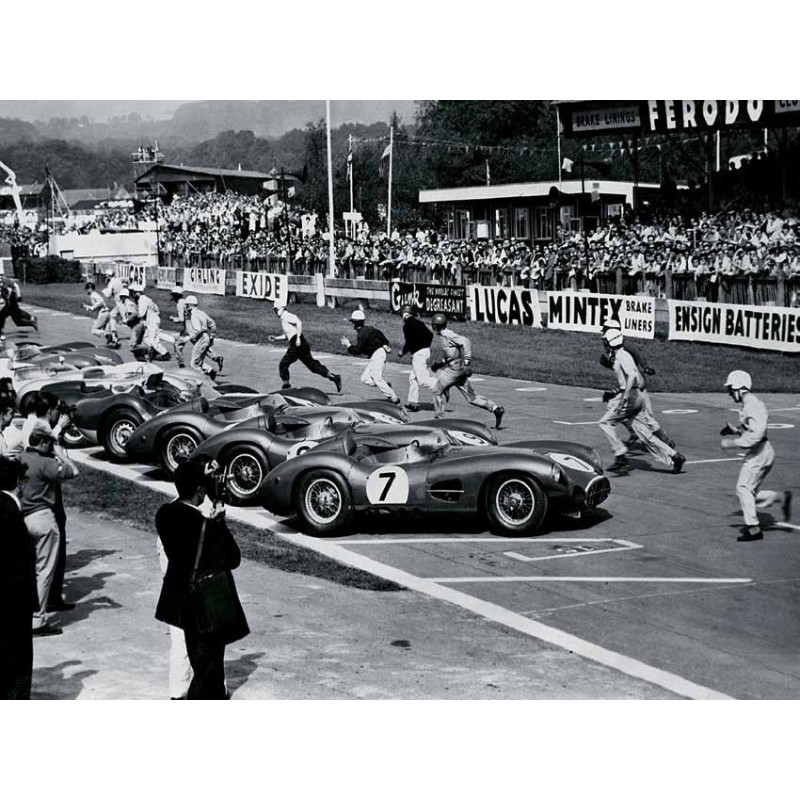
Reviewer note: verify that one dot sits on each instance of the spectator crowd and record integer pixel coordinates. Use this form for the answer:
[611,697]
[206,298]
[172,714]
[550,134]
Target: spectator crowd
[242,231]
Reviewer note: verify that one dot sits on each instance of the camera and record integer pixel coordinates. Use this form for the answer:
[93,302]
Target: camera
[216,481]
[66,409]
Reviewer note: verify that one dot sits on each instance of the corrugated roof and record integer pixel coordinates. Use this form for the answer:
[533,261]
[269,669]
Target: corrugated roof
[211,172]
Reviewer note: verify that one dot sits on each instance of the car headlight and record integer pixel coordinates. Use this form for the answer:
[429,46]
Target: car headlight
[595,458]
[555,473]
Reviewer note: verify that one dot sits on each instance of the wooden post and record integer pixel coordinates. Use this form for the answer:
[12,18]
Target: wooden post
[620,282]
[780,299]
[668,284]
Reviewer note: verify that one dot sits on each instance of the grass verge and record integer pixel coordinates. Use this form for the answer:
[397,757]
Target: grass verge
[546,356]
[108,497]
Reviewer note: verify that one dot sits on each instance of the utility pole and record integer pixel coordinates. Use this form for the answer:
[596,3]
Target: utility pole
[286,220]
[391,160]
[331,247]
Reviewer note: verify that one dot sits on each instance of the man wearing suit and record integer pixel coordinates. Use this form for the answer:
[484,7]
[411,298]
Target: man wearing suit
[18,596]
[180,525]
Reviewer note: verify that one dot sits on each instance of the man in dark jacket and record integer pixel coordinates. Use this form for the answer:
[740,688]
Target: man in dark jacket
[180,525]
[373,344]
[18,596]
[418,338]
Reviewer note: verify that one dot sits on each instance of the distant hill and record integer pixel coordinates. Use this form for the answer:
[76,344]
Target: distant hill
[195,122]
[15,131]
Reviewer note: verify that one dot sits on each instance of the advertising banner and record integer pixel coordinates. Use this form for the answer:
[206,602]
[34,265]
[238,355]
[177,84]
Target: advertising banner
[262,285]
[429,298]
[761,327]
[581,311]
[165,277]
[204,281]
[504,305]
[131,273]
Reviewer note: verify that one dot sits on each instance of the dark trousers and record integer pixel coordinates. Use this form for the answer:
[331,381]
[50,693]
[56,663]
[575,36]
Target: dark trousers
[300,352]
[56,594]
[207,657]
[16,658]
[21,318]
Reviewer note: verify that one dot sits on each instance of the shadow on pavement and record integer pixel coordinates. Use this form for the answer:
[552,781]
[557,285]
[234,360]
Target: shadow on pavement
[51,683]
[81,587]
[237,672]
[83,558]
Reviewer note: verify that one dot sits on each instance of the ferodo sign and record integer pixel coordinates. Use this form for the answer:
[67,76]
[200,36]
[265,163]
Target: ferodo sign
[761,327]
[504,305]
[262,285]
[165,277]
[580,311]
[204,281]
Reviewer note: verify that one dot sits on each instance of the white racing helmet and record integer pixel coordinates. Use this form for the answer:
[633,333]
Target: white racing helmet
[739,379]
[191,300]
[613,338]
[123,292]
[109,273]
[357,316]
[279,305]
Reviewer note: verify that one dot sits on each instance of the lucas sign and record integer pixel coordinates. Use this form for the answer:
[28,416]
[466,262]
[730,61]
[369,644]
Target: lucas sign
[262,285]
[504,305]
[579,311]
[761,327]
[204,281]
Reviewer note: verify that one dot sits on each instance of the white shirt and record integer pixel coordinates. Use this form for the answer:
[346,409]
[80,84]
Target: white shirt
[113,288]
[292,326]
[148,310]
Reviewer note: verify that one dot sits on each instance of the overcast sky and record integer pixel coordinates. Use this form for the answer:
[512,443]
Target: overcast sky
[101,110]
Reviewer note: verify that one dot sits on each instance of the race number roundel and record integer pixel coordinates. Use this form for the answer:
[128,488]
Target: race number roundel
[387,486]
[300,448]
[571,462]
[468,438]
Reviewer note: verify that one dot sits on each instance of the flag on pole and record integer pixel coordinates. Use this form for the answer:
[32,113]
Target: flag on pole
[567,165]
[350,162]
[386,153]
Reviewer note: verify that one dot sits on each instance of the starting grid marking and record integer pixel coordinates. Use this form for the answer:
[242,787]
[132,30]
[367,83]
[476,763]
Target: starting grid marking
[583,579]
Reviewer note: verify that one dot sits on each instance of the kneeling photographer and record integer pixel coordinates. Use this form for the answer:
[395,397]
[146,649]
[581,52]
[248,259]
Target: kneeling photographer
[198,594]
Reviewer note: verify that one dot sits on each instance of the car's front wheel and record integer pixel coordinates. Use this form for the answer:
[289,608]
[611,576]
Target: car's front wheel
[246,467]
[175,447]
[73,437]
[117,430]
[324,504]
[516,504]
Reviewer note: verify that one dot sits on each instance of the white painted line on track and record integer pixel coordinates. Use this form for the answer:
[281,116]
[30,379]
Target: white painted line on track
[413,539]
[473,379]
[584,579]
[563,422]
[531,389]
[680,411]
[793,408]
[715,460]
[503,616]
[779,426]
[788,525]
[61,314]
[622,545]
[592,399]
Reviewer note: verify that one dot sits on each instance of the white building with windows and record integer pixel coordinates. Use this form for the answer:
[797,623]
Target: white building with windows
[533,211]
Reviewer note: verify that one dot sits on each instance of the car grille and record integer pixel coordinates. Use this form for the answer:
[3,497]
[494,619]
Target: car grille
[597,491]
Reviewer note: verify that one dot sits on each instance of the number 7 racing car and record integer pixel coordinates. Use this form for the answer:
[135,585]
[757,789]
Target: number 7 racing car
[427,472]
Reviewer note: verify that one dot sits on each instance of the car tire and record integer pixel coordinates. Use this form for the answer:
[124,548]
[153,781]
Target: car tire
[247,467]
[516,504]
[323,502]
[116,431]
[72,437]
[174,446]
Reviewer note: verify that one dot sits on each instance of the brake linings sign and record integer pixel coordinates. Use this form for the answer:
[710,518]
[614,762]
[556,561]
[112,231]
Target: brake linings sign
[580,311]
[504,305]
[761,327]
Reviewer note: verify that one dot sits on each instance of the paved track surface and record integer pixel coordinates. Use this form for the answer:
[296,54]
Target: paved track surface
[653,584]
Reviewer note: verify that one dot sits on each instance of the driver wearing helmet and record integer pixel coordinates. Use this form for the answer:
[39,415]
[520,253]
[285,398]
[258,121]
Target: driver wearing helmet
[201,329]
[372,343]
[625,405]
[455,371]
[150,315]
[751,435]
[98,304]
[112,291]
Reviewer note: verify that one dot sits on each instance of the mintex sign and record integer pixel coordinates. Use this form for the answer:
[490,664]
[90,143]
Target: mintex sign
[584,312]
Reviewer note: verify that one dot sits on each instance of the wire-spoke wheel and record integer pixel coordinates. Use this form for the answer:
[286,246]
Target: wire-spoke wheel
[246,472]
[176,447]
[515,504]
[324,503]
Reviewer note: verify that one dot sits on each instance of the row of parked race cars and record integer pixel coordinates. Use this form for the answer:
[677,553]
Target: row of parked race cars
[297,455]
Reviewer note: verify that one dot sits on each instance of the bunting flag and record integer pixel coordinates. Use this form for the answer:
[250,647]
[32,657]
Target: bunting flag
[567,165]
[386,153]
[350,163]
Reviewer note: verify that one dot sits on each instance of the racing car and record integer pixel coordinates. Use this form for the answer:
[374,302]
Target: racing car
[511,487]
[248,451]
[70,354]
[172,436]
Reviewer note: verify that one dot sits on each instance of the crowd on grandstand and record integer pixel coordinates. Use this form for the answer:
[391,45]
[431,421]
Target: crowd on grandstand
[237,230]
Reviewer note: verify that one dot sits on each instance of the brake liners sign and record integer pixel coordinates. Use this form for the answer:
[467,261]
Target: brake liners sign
[584,312]
[204,281]
[761,327]
[262,285]
[504,305]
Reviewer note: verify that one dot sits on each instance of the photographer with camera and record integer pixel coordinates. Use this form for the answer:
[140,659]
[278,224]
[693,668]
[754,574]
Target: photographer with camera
[48,466]
[198,594]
